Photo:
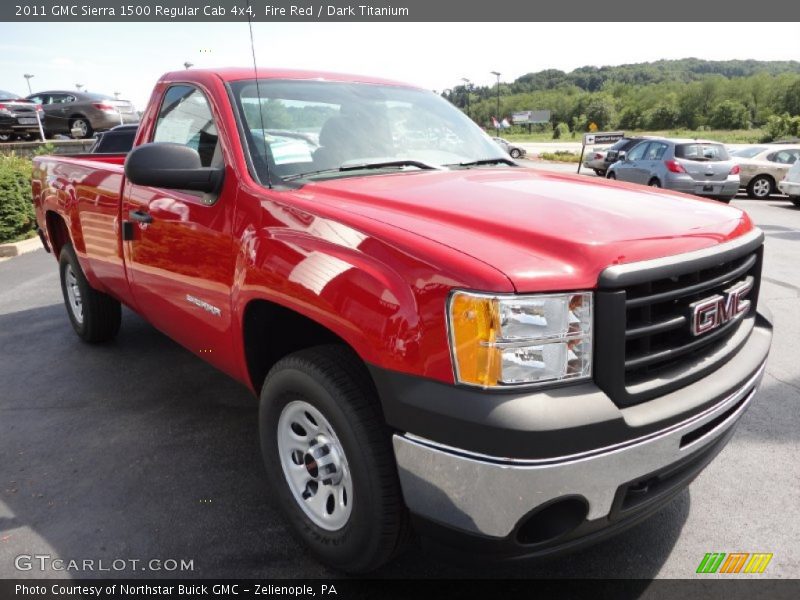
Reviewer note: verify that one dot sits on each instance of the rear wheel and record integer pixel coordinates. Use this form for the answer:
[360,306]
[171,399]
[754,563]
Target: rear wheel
[760,187]
[329,458]
[611,175]
[599,172]
[95,316]
[7,137]
[795,200]
[81,127]
[515,153]
[654,183]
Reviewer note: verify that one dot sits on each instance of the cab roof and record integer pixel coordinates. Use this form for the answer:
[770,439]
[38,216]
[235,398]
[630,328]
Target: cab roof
[240,73]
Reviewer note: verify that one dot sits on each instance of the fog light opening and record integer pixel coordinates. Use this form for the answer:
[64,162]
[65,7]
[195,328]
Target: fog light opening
[556,519]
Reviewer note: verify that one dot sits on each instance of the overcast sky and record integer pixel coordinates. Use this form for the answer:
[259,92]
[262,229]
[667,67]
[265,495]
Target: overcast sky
[129,57]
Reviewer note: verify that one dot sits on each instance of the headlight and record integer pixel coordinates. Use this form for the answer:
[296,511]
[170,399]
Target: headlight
[517,340]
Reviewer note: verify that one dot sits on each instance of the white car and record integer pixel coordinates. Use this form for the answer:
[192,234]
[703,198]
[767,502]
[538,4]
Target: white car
[790,184]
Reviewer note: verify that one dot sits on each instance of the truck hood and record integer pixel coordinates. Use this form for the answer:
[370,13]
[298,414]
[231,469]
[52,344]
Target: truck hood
[544,231]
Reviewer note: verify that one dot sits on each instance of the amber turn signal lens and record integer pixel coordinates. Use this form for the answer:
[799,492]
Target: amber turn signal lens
[474,327]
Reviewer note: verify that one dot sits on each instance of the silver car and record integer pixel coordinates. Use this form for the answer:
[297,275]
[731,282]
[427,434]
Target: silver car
[80,114]
[698,167]
[512,149]
[790,184]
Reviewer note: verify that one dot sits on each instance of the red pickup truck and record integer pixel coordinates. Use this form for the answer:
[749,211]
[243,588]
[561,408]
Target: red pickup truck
[444,342]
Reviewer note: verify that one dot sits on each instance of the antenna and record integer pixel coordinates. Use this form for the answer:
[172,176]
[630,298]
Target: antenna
[258,92]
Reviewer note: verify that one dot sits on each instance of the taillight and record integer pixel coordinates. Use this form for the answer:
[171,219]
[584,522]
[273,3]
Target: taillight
[597,156]
[735,170]
[39,108]
[674,166]
[3,107]
[103,106]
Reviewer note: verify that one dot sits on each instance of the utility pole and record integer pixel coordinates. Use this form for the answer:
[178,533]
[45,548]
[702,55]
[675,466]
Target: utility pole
[467,84]
[496,74]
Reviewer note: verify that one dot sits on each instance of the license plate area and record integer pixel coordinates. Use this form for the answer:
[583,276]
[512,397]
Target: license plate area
[26,121]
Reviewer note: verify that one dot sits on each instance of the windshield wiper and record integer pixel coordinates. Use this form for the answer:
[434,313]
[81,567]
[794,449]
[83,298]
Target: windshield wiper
[488,161]
[380,164]
[359,165]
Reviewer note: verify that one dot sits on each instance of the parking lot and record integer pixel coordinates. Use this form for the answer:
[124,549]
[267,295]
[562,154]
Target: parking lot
[139,450]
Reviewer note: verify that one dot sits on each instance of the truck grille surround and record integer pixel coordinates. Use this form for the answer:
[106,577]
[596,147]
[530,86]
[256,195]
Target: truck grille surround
[644,345]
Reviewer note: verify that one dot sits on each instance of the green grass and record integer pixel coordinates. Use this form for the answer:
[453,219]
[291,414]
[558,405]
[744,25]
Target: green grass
[728,136]
[561,156]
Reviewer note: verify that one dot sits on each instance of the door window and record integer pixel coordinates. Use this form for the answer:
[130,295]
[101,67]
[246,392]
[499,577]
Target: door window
[655,151]
[638,152]
[185,118]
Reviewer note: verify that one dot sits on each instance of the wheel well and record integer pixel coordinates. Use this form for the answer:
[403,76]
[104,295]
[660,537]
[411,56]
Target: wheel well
[765,176]
[272,331]
[56,231]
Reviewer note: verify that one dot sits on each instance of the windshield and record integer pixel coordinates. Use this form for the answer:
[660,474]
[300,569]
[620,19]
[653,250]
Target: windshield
[314,128]
[748,152]
[701,152]
[8,95]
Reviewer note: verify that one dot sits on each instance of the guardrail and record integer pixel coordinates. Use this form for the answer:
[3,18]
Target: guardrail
[59,147]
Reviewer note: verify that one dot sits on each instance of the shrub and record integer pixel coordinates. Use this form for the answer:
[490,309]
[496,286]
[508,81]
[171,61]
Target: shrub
[560,156]
[561,131]
[730,114]
[17,217]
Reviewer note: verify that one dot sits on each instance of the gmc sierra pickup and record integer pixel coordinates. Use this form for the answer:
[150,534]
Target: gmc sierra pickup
[507,362]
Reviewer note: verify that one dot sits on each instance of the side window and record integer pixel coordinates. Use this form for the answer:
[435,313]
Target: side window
[185,118]
[638,151]
[655,151]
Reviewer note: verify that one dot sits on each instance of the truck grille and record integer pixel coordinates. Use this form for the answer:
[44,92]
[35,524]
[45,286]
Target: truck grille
[645,346]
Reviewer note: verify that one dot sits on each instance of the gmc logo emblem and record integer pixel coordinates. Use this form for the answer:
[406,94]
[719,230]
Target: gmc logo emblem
[710,313]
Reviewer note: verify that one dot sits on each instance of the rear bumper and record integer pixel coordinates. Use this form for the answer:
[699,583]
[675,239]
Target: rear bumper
[687,185]
[12,125]
[790,188]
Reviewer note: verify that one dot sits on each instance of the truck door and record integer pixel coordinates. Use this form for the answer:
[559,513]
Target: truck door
[180,253]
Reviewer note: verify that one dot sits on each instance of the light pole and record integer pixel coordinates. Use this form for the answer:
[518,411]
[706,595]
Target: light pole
[496,74]
[79,86]
[188,65]
[116,95]
[28,78]
[467,83]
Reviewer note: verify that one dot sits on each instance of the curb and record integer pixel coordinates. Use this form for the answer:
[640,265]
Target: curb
[17,248]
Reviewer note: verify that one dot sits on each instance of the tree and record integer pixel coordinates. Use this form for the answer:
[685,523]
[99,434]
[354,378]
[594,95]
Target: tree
[601,111]
[730,114]
[791,99]
[663,116]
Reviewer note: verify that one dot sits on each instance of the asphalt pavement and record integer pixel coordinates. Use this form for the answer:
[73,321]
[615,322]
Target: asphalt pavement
[137,450]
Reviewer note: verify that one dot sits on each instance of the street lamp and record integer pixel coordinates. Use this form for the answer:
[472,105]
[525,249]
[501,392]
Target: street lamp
[467,83]
[116,95]
[188,64]
[496,74]
[79,86]
[28,78]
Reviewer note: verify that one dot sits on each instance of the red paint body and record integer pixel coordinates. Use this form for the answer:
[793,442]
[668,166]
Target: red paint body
[371,258]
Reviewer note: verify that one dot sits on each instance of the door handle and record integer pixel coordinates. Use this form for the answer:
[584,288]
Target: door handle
[140,216]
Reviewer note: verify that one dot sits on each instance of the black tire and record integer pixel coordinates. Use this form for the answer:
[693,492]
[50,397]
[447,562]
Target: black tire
[7,137]
[611,175]
[335,382]
[515,153]
[599,172]
[795,200]
[87,127]
[757,184]
[654,183]
[100,314]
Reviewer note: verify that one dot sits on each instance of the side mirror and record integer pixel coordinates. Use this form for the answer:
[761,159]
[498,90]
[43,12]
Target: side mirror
[621,156]
[171,166]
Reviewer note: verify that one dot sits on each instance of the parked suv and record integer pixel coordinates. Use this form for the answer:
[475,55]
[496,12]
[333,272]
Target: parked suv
[83,113]
[695,167]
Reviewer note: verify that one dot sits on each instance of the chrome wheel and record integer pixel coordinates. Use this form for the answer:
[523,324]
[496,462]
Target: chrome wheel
[314,465]
[761,187]
[73,294]
[82,127]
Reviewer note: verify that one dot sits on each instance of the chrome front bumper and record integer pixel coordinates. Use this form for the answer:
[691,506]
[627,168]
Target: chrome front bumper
[489,496]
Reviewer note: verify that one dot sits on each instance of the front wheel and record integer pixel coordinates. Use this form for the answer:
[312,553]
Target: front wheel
[654,183]
[329,458]
[515,153]
[95,316]
[760,187]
